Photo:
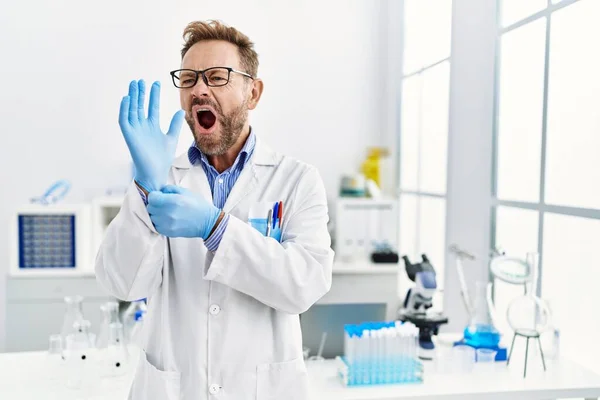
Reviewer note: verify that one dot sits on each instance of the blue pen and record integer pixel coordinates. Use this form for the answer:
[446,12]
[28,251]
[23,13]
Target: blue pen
[275,214]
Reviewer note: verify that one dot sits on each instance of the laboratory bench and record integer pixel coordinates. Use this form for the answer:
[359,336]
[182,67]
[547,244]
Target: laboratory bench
[25,376]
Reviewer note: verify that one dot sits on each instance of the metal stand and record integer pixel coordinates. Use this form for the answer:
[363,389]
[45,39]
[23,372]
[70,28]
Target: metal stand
[528,334]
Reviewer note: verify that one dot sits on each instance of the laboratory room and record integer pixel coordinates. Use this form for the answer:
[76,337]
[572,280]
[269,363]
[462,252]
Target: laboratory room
[300,200]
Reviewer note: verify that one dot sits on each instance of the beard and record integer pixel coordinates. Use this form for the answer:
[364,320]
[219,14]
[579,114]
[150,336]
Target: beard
[229,130]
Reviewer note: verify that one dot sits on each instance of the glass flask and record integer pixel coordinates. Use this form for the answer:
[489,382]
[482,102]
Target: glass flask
[79,355]
[110,315]
[481,332]
[116,357]
[73,315]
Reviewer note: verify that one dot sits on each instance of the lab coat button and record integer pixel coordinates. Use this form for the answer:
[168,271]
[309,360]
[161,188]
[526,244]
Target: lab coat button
[215,309]
[214,388]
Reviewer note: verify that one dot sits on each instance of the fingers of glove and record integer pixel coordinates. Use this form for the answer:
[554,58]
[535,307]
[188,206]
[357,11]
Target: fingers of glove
[124,115]
[175,126]
[154,105]
[141,100]
[133,103]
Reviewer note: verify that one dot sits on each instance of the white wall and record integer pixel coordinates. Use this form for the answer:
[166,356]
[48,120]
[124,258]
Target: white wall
[66,64]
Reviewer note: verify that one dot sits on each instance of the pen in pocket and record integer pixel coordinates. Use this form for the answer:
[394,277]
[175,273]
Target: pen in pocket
[269,222]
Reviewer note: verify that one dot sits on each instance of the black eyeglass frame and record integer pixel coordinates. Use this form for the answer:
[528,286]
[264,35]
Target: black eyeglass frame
[204,78]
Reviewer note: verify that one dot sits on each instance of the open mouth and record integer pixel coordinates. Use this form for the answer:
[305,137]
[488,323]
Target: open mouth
[206,118]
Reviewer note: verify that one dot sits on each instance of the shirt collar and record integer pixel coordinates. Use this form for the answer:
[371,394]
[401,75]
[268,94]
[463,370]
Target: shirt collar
[194,153]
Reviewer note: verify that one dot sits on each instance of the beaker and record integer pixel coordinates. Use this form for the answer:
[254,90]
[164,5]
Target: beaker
[79,355]
[116,357]
[54,364]
[481,332]
[110,315]
[73,315]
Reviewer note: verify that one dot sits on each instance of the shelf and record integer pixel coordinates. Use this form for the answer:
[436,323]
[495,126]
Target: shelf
[364,267]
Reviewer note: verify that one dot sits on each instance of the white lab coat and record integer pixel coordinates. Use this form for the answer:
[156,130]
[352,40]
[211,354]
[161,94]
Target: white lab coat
[224,325]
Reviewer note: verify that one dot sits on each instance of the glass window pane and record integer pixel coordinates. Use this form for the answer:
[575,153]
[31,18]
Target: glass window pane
[434,129]
[520,106]
[409,132]
[517,230]
[432,233]
[408,237]
[572,163]
[570,277]
[427,32]
[512,11]
[408,225]
[517,235]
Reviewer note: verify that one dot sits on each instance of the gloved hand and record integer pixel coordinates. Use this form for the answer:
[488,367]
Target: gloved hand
[177,212]
[151,150]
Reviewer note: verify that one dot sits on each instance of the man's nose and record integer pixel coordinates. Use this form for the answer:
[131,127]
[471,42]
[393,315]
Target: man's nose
[200,88]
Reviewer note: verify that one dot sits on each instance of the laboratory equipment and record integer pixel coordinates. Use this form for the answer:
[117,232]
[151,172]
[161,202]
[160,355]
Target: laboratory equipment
[79,356]
[384,253]
[353,185]
[528,315]
[319,355]
[51,240]
[115,359]
[360,224]
[418,302]
[380,353]
[73,316]
[110,315]
[480,331]
[35,308]
[54,364]
[464,358]
[371,167]
[485,355]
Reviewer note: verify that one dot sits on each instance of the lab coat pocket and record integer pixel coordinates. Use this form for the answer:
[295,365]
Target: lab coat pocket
[260,224]
[151,383]
[286,380]
[263,212]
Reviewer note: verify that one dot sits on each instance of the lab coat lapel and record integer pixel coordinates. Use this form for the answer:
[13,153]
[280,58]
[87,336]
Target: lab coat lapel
[192,177]
[248,180]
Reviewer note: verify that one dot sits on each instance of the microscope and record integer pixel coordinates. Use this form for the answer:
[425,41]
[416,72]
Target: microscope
[418,302]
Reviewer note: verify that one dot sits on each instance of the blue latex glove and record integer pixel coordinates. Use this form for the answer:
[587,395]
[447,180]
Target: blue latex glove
[177,212]
[151,150]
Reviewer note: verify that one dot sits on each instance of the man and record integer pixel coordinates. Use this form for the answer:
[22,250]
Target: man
[224,297]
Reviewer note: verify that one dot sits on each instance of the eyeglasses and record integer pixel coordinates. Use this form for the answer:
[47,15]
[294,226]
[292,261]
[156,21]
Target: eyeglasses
[214,77]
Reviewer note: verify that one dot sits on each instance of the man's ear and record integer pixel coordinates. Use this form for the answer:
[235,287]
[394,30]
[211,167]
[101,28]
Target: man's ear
[255,93]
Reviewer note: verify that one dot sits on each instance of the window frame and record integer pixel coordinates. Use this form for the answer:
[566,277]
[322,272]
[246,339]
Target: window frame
[541,207]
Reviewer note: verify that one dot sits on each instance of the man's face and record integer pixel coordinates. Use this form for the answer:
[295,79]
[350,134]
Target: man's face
[216,115]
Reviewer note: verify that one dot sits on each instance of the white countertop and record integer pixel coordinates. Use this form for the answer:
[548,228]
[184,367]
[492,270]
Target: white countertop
[24,376]
[563,379]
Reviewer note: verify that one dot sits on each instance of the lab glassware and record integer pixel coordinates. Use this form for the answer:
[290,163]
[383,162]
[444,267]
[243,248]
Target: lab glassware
[464,358]
[54,364]
[116,358]
[79,356]
[73,315]
[110,315]
[481,332]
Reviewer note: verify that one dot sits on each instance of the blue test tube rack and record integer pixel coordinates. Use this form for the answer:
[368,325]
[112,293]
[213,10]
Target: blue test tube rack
[377,353]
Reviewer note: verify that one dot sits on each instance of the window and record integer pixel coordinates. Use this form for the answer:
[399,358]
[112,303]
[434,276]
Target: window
[424,133]
[547,173]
